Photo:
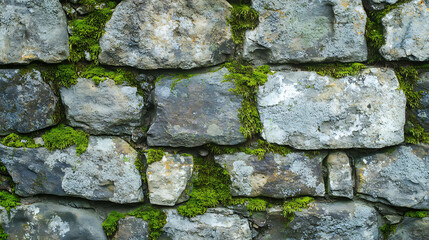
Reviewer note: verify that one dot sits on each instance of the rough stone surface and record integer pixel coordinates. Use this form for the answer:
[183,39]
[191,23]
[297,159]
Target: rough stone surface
[307,31]
[340,175]
[216,223]
[400,177]
[274,176]
[27,103]
[53,221]
[32,30]
[132,228]
[423,112]
[167,179]
[104,109]
[412,228]
[406,32]
[377,4]
[105,171]
[167,34]
[308,111]
[195,111]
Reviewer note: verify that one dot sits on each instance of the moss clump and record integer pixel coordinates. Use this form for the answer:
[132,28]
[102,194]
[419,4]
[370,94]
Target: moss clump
[210,188]
[296,204]
[336,70]
[243,17]
[155,155]
[3,234]
[99,74]
[110,225]
[141,167]
[17,141]
[252,204]
[387,229]
[64,75]
[62,137]
[8,200]
[247,80]
[417,214]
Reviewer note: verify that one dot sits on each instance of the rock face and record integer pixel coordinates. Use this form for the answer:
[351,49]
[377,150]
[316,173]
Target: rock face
[167,34]
[167,179]
[401,177]
[307,31]
[194,111]
[27,103]
[104,172]
[406,34]
[308,111]
[216,223]
[132,228]
[32,30]
[423,112]
[104,109]
[412,228]
[274,176]
[53,221]
[340,175]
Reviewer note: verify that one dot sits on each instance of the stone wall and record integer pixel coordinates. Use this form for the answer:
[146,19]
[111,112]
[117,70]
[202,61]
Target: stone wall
[214,119]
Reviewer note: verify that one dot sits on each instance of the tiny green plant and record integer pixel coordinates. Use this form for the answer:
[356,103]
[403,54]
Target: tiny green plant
[63,136]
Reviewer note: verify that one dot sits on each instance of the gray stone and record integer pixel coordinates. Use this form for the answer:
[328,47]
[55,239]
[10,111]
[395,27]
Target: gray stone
[393,219]
[106,171]
[406,32]
[167,34]
[307,31]
[275,175]
[308,111]
[195,111]
[53,221]
[399,178]
[132,228]
[32,30]
[216,223]
[412,228]
[168,179]
[104,109]
[423,112]
[340,175]
[27,103]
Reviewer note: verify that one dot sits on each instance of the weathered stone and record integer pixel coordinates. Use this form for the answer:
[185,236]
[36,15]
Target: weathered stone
[377,4]
[422,113]
[53,221]
[400,177]
[275,175]
[105,171]
[168,179]
[340,175]
[132,228]
[308,111]
[105,108]
[194,111]
[167,34]
[216,223]
[393,219]
[27,103]
[32,30]
[307,31]
[406,32]
[412,228]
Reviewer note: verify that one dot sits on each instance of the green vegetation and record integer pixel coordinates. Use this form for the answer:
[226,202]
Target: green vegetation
[141,167]
[252,204]
[243,17]
[155,155]
[296,204]
[64,75]
[17,141]
[99,74]
[3,234]
[387,229]
[62,137]
[8,200]
[247,79]
[156,220]
[417,214]
[336,70]
[179,78]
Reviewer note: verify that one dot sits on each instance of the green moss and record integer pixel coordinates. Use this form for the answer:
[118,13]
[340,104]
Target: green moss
[417,214]
[311,154]
[17,141]
[141,167]
[252,204]
[64,75]
[3,234]
[387,229]
[336,70]
[155,155]
[243,17]
[62,137]
[110,225]
[8,200]
[178,78]
[296,204]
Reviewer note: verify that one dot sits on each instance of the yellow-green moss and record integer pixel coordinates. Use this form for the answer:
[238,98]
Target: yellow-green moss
[417,214]
[387,229]
[155,155]
[252,204]
[336,70]
[293,205]
[141,167]
[243,17]
[3,234]
[17,141]
[9,200]
[110,225]
[63,136]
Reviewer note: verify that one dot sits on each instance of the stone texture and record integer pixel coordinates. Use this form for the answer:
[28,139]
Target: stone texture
[167,34]
[340,175]
[53,221]
[423,112]
[406,32]
[32,30]
[274,176]
[377,4]
[307,31]
[132,228]
[308,111]
[216,223]
[104,109]
[168,179]
[412,228]
[104,172]
[399,178]
[195,111]
[27,103]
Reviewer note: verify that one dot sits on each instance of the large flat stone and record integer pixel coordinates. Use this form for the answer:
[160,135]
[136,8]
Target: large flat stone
[308,111]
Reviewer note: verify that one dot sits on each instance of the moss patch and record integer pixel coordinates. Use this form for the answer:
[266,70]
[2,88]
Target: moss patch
[141,167]
[243,17]
[387,229]
[252,204]
[336,70]
[110,225]
[17,141]
[155,155]
[296,204]
[417,214]
[3,234]
[64,75]
[9,200]
[63,136]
